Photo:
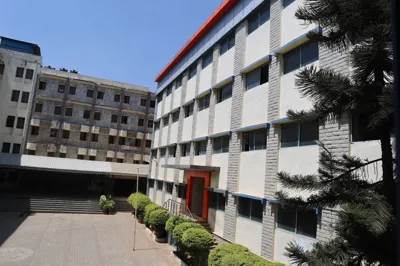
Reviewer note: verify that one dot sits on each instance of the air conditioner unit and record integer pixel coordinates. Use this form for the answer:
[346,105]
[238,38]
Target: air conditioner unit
[120,155]
[66,126]
[149,136]
[113,132]
[110,154]
[139,135]
[63,149]
[51,148]
[137,157]
[92,152]
[35,122]
[82,151]
[55,124]
[122,133]
[85,128]
[31,146]
[95,130]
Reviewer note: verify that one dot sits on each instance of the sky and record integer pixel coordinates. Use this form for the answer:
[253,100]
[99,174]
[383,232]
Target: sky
[123,40]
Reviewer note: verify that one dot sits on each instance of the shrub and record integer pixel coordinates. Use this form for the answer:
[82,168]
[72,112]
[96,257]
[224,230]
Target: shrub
[197,239]
[106,204]
[149,208]
[174,221]
[181,228]
[157,220]
[143,201]
[218,253]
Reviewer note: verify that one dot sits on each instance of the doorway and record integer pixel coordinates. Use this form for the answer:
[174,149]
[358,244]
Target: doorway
[197,196]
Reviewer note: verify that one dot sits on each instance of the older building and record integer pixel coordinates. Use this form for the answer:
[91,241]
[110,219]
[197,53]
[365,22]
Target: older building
[221,132]
[81,117]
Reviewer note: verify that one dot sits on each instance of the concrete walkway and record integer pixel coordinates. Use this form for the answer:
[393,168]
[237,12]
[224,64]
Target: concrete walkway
[77,239]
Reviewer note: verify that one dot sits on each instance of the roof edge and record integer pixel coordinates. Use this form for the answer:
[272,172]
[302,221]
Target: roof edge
[210,22]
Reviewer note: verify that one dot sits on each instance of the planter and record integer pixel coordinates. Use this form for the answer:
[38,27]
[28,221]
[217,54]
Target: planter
[160,240]
[177,258]
[149,231]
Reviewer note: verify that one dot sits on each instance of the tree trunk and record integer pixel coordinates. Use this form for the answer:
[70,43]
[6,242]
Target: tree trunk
[387,166]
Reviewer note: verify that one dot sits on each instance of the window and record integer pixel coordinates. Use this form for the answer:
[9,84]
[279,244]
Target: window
[299,134]
[100,95]
[38,107]
[124,119]
[25,97]
[189,109]
[136,162]
[221,144]
[127,99]
[359,128]
[172,151]
[169,90]
[95,137]
[157,125]
[138,142]
[257,77]
[68,111]
[141,122]
[117,98]
[61,88]
[97,116]
[111,139]
[92,158]
[175,116]
[254,140]
[251,209]
[300,56]
[178,82]
[207,59]
[151,183]
[2,69]
[108,159]
[159,185]
[121,141]
[53,132]
[31,152]
[185,149]
[50,154]
[148,143]
[165,121]
[150,123]
[114,118]
[57,110]
[204,102]
[159,97]
[285,3]
[20,122]
[83,136]
[258,19]
[143,102]
[10,121]
[303,222]
[153,153]
[65,134]
[192,70]
[72,90]
[42,85]
[227,43]
[80,157]
[6,147]
[201,147]
[62,155]
[16,148]
[120,160]
[29,74]
[182,191]
[34,131]
[15,96]
[152,104]
[163,151]
[89,93]
[20,72]
[224,93]
[86,114]
[169,187]
[216,201]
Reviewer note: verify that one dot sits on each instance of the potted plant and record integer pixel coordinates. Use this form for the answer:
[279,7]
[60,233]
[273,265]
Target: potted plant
[157,220]
[106,204]
[143,201]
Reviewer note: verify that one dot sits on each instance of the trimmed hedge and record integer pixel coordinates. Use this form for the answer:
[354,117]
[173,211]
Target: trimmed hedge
[143,201]
[197,239]
[157,220]
[221,251]
[174,221]
[181,228]
[149,208]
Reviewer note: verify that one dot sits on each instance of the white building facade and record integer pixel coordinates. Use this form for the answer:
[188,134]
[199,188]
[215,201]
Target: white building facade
[221,134]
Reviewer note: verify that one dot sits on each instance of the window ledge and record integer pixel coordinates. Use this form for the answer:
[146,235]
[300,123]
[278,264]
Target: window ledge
[224,82]
[253,127]
[295,42]
[254,65]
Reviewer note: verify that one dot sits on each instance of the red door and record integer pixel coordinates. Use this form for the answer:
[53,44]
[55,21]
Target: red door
[189,193]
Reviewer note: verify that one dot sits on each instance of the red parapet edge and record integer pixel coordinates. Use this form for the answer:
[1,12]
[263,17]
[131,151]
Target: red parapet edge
[210,22]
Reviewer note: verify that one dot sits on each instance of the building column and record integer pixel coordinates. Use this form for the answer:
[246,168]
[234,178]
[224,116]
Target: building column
[236,122]
[195,110]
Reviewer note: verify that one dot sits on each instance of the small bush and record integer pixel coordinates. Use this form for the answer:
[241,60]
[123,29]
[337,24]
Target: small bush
[106,204]
[218,253]
[197,239]
[174,221]
[181,228]
[143,201]
[149,208]
[157,220]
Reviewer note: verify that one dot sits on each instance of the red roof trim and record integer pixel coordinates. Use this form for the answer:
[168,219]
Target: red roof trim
[210,22]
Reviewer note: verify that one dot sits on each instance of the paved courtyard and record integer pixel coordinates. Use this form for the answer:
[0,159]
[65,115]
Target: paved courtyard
[77,239]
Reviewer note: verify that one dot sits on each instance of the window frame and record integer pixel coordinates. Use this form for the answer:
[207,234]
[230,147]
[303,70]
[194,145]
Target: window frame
[200,148]
[100,95]
[117,98]
[160,188]
[10,120]
[61,88]
[29,73]
[65,134]
[296,216]
[72,90]
[218,144]
[89,93]
[57,110]
[185,151]
[207,59]
[227,43]
[140,122]
[16,148]
[255,20]
[38,106]
[25,97]
[143,100]
[97,116]
[95,137]
[224,93]
[242,210]
[6,147]
[299,128]
[287,68]
[203,102]
[175,116]
[127,99]
[150,123]
[42,85]
[20,122]
[169,187]
[258,73]
[114,118]
[192,71]
[86,114]
[83,136]
[189,109]
[67,111]
[19,73]
[220,201]
[35,130]
[252,137]
[15,95]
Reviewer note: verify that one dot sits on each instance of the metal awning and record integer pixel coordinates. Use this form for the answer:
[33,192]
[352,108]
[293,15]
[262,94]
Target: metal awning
[192,167]
[217,190]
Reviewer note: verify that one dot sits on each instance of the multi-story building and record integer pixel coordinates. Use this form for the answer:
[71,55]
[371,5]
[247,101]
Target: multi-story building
[19,65]
[82,117]
[221,133]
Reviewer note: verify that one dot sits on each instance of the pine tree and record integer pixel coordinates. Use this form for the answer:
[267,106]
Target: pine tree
[365,233]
